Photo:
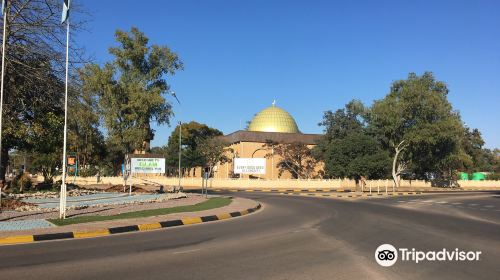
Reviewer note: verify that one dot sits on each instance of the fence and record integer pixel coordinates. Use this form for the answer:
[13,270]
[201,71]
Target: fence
[191,182]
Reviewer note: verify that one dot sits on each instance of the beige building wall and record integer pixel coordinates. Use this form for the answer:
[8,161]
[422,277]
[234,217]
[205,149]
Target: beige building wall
[255,150]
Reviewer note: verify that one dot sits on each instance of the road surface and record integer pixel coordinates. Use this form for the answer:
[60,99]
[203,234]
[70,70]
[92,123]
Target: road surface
[292,237]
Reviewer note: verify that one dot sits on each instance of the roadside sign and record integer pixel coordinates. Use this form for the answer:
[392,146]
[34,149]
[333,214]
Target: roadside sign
[147,165]
[71,160]
[250,166]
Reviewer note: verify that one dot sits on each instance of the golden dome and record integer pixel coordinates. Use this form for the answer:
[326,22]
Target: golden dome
[273,119]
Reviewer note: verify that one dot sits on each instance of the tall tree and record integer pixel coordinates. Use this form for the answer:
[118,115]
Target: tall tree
[213,151]
[481,159]
[132,90]
[417,124]
[84,134]
[34,66]
[192,133]
[340,123]
[295,158]
[346,148]
[356,155]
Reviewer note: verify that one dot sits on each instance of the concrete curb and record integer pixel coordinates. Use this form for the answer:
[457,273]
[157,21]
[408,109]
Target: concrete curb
[124,229]
[282,190]
[341,190]
[353,195]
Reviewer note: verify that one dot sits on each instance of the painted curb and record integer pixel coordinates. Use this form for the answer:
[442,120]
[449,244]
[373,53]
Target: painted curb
[353,195]
[282,190]
[123,229]
[340,190]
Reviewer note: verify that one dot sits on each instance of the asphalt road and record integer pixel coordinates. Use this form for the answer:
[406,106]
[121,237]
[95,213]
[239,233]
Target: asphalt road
[292,237]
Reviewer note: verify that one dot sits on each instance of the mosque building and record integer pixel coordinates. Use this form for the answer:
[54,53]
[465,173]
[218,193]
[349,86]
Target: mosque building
[272,124]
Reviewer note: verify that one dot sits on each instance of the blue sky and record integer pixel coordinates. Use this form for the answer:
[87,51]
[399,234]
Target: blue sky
[311,56]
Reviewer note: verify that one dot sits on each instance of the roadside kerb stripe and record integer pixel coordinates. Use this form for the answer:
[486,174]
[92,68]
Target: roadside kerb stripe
[349,195]
[343,190]
[189,221]
[87,234]
[223,216]
[17,239]
[116,230]
[150,226]
[52,236]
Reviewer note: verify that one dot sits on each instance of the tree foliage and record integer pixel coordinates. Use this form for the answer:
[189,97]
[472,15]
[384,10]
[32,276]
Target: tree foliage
[355,155]
[32,109]
[295,158]
[132,89]
[346,148]
[192,133]
[213,151]
[417,124]
[344,121]
[85,138]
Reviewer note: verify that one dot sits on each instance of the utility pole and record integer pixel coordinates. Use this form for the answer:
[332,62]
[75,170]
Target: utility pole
[62,196]
[180,153]
[4,12]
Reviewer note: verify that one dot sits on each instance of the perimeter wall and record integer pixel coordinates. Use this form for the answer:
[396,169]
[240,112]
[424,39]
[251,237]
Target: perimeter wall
[269,184]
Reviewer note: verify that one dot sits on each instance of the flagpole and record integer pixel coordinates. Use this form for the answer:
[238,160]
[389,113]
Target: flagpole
[62,203]
[1,93]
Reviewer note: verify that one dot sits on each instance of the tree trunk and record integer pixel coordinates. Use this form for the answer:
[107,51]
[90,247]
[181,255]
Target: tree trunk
[4,163]
[394,172]
[397,167]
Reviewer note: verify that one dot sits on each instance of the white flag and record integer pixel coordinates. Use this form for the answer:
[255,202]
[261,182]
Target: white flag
[65,13]
[4,3]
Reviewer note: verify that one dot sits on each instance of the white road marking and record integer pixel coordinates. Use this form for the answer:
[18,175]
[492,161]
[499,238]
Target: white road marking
[187,251]
[442,202]
[456,203]
[473,204]
[489,206]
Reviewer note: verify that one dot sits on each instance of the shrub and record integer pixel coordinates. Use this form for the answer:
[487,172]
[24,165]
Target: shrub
[21,182]
[88,172]
[493,176]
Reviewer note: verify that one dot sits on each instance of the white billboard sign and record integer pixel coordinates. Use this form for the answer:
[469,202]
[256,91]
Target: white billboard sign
[250,166]
[147,165]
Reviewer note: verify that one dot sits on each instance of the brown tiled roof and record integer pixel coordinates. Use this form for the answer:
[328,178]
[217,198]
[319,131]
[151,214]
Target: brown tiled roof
[263,137]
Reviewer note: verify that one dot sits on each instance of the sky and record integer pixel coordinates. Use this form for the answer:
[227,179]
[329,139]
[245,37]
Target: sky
[310,56]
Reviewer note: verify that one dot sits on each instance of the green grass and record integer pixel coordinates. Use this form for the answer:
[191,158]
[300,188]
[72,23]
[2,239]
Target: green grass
[211,203]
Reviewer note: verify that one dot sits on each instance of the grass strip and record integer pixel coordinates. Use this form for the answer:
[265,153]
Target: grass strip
[211,203]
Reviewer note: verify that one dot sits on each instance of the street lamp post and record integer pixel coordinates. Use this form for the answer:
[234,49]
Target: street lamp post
[180,153]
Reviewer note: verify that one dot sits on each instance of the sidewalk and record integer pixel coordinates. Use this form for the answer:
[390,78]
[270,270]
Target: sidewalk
[237,204]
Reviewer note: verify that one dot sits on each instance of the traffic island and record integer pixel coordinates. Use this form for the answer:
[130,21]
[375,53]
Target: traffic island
[214,209]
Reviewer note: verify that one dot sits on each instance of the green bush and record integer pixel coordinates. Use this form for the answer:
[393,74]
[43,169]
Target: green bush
[88,172]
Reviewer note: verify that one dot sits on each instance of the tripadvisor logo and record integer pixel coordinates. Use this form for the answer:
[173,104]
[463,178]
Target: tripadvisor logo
[387,255]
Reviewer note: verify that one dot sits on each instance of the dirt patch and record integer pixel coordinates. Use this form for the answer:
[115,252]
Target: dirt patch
[13,204]
[108,210]
[119,188]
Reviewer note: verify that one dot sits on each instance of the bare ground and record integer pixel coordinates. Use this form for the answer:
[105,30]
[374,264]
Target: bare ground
[102,211]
